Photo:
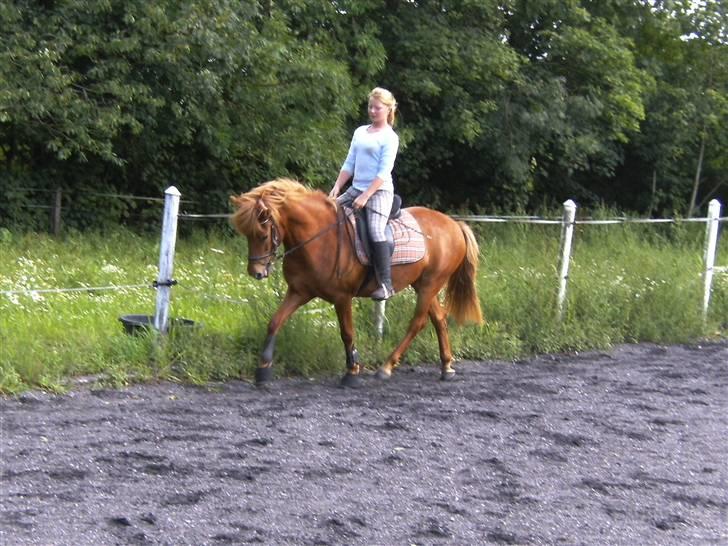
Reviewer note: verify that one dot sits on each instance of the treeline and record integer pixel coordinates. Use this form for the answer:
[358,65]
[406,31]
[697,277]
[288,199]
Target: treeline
[504,105]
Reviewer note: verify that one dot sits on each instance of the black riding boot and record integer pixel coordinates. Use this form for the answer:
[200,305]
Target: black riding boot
[382,261]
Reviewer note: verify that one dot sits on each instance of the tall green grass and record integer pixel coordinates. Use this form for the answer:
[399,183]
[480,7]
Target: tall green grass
[627,283]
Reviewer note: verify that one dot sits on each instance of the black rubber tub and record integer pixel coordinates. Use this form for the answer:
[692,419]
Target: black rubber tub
[137,324]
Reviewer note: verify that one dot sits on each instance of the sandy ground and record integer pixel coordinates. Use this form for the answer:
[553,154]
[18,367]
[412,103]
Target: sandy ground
[625,447]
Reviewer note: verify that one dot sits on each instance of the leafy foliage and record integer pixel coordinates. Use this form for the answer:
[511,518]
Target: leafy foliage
[503,104]
[135,96]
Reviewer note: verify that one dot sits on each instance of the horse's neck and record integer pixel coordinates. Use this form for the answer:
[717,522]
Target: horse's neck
[306,219]
[318,245]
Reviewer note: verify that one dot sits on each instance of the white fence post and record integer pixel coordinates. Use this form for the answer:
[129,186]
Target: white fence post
[567,234]
[166,259]
[379,309]
[711,247]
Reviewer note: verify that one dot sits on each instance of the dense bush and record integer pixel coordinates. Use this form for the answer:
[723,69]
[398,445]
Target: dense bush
[503,105]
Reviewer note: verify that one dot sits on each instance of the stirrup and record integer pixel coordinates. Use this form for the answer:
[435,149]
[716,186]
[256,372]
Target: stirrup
[382,293]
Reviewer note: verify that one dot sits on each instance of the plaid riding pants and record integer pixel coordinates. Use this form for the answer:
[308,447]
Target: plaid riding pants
[378,208]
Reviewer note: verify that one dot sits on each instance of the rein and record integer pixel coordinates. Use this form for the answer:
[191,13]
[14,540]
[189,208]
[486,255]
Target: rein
[275,237]
[273,255]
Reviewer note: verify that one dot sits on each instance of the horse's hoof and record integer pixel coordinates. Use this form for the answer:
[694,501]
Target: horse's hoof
[382,375]
[447,375]
[352,381]
[263,376]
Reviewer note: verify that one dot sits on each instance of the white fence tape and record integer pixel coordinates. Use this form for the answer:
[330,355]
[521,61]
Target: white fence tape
[77,289]
[568,221]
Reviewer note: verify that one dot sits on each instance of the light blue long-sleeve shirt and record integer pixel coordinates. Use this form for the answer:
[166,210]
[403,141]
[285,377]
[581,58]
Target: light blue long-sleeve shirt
[372,155]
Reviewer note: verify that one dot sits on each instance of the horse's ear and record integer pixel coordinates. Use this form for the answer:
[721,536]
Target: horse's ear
[236,200]
[262,212]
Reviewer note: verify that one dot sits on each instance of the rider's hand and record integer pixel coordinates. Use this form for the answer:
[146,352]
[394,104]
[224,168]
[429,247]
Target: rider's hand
[334,193]
[360,201]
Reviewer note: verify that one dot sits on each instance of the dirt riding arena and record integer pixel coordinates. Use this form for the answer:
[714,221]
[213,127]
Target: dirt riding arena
[625,447]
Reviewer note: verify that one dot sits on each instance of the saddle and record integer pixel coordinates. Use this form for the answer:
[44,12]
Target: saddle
[405,238]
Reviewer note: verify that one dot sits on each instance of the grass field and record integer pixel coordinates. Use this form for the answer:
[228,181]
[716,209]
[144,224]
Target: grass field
[628,283]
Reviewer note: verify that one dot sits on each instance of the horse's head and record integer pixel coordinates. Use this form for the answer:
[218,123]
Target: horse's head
[255,220]
[261,215]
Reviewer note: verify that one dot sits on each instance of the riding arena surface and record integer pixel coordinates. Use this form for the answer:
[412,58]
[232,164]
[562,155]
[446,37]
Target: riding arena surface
[628,446]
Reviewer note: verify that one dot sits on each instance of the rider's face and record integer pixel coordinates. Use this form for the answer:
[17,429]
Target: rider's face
[377,111]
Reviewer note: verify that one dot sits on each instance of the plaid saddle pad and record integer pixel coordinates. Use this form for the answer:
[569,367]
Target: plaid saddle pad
[409,241]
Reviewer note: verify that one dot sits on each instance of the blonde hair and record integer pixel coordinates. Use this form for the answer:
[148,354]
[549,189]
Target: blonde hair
[387,99]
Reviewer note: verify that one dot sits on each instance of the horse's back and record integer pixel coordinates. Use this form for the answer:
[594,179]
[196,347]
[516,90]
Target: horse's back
[443,235]
[434,223]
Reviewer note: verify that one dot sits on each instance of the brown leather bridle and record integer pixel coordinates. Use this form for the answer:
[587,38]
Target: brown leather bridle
[274,237]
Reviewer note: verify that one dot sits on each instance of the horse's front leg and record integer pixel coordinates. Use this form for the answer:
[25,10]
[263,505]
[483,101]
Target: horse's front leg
[352,378]
[292,301]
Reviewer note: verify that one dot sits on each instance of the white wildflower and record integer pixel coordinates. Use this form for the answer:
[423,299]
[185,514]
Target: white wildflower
[35,296]
[111,268]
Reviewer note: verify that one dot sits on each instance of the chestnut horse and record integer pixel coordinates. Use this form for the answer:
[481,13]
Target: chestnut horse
[319,261]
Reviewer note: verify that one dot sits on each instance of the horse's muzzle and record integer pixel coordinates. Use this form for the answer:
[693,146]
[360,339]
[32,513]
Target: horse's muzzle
[258,271]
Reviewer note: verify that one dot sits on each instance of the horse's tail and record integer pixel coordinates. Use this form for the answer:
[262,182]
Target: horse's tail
[461,296]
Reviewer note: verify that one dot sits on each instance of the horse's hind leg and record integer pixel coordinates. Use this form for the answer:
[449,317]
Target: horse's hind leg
[438,316]
[424,302]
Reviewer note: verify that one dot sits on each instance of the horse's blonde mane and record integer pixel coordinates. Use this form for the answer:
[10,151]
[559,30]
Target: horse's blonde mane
[272,195]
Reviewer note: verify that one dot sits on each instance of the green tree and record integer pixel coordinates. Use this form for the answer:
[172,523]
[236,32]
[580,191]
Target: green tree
[503,104]
[707,62]
[682,139]
[593,102]
[210,95]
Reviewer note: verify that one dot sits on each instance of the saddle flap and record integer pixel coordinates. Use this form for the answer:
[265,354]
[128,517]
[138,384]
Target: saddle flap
[362,234]
[396,207]
[408,239]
